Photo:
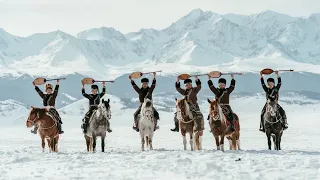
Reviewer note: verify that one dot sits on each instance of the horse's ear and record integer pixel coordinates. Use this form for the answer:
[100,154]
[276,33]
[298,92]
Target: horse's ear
[108,100]
[209,101]
[32,107]
[176,99]
[102,100]
[186,98]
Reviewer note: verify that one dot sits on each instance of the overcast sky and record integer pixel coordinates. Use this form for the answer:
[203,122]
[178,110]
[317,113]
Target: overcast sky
[25,17]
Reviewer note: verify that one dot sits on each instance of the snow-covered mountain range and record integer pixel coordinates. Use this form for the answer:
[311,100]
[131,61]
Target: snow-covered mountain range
[196,43]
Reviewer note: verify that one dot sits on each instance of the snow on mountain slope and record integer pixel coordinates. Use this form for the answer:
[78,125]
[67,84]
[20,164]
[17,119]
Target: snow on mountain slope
[199,38]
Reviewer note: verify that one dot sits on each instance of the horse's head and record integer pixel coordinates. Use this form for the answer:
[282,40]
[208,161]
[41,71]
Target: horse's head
[35,114]
[147,108]
[271,107]
[104,109]
[215,110]
[147,103]
[182,108]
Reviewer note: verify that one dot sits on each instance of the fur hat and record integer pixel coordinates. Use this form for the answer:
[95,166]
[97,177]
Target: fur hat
[143,80]
[270,80]
[187,81]
[48,86]
[94,86]
[222,80]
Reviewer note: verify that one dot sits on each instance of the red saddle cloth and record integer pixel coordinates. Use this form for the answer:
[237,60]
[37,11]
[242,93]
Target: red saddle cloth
[236,122]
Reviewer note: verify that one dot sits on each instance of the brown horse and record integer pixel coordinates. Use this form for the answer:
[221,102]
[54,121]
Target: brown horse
[186,125]
[47,127]
[219,125]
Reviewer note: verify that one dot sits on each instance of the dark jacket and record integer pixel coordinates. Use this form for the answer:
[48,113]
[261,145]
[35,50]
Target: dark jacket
[222,94]
[192,97]
[143,92]
[272,93]
[94,100]
[48,99]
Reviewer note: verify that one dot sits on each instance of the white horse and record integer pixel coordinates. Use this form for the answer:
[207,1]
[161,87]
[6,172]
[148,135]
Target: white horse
[99,121]
[146,123]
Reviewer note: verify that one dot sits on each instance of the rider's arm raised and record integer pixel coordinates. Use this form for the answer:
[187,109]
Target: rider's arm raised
[39,92]
[263,85]
[135,87]
[55,92]
[103,91]
[85,94]
[198,88]
[232,86]
[178,88]
[153,85]
[212,88]
[279,83]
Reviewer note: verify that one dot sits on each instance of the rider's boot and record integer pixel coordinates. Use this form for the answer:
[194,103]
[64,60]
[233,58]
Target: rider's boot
[285,126]
[108,127]
[176,128]
[156,127]
[35,130]
[262,125]
[59,128]
[85,125]
[135,127]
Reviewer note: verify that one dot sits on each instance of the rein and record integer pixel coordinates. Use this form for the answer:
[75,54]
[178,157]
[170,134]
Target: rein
[33,121]
[185,117]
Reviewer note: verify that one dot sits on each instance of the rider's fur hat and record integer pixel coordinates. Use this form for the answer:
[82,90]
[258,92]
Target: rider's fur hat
[270,80]
[144,80]
[222,80]
[48,86]
[187,81]
[94,86]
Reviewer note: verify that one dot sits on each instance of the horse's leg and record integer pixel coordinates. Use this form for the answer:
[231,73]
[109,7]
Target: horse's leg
[87,142]
[238,141]
[183,133]
[230,142]
[52,144]
[234,141]
[269,140]
[142,135]
[94,138]
[102,142]
[191,141]
[196,141]
[57,139]
[200,142]
[217,142]
[280,141]
[90,144]
[222,142]
[49,144]
[274,141]
[43,144]
[150,140]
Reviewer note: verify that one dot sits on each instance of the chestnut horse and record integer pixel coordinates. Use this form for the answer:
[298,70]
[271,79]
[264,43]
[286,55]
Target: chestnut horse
[186,124]
[219,125]
[47,127]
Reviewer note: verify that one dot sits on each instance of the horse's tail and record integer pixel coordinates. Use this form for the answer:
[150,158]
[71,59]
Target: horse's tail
[147,139]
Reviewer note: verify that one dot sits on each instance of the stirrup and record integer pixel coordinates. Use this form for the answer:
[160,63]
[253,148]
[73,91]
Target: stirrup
[262,130]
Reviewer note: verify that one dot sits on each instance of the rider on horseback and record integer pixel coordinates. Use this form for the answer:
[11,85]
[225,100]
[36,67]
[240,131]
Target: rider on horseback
[94,101]
[49,101]
[272,92]
[144,91]
[191,94]
[223,95]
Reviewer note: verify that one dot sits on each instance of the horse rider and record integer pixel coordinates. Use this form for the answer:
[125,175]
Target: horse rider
[144,92]
[191,94]
[94,101]
[272,92]
[49,100]
[223,96]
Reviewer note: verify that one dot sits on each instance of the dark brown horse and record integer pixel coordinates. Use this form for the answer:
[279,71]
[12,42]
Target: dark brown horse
[219,125]
[186,124]
[47,127]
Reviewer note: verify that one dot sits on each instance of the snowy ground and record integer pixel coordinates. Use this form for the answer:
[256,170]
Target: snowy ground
[21,156]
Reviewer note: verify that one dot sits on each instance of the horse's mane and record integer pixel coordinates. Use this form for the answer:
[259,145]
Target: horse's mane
[220,111]
[182,106]
[41,112]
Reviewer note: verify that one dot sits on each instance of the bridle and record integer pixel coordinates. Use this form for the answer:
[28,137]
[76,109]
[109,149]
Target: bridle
[183,113]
